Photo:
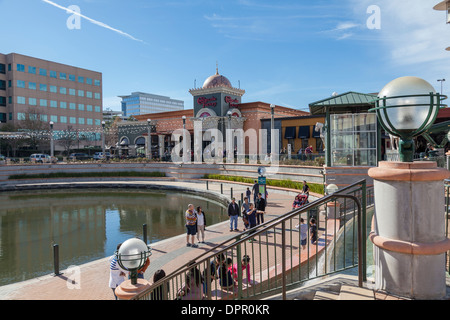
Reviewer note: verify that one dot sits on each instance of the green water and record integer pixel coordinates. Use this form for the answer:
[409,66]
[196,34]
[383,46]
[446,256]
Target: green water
[87,225]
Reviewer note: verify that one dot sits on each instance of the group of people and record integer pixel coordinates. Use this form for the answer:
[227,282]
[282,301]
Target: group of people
[195,286]
[252,213]
[195,225]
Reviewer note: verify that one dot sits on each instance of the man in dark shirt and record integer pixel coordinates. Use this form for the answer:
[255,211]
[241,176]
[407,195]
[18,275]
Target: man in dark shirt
[255,191]
[305,188]
[233,213]
[261,207]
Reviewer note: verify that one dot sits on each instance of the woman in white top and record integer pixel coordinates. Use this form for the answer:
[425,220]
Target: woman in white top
[201,223]
[117,275]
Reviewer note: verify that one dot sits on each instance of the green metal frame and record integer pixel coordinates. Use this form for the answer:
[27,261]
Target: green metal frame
[406,144]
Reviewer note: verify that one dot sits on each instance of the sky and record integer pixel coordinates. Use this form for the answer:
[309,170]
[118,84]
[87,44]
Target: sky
[286,52]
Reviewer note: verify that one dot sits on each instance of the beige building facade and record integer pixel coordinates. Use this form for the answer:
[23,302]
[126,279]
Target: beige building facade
[67,96]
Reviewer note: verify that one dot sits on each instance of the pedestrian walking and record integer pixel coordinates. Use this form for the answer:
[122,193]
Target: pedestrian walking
[191,230]
[245,207]
[201,224]
[251,216]
[255,190]
[233,213]
[303,227]
[260,207]
[313,231]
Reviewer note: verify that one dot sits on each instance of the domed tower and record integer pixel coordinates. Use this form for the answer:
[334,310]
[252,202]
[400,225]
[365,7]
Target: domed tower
[216,97]
[213,101]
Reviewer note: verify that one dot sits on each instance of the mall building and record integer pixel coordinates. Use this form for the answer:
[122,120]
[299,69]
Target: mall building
[217,105]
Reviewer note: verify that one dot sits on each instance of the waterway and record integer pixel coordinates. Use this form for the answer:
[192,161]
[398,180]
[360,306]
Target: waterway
[86,225]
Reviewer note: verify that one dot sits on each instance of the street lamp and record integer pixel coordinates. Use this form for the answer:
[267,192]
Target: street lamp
[149,140]
[132,256]
[229,136]
[103,139]
[441,81]
[52,153]
[272,126]
[332,188]
[185,146]
[406,107]
[408,225]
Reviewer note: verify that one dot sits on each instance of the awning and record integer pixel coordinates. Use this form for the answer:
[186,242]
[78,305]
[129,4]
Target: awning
[303,132]
[289,133]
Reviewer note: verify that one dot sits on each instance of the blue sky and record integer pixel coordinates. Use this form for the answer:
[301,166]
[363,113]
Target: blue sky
[287,52]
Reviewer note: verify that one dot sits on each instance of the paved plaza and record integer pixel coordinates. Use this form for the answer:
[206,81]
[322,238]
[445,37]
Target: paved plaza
[168,254]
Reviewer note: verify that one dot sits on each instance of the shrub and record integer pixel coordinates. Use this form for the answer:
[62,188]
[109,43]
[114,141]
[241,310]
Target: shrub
[314,187]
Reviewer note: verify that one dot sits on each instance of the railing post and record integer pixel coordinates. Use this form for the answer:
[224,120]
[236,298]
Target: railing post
[56,260]
[231,193]
[283,257]
[239,269]
[144,232]
[207,185]
[208,279]
[364,228]
[221,188]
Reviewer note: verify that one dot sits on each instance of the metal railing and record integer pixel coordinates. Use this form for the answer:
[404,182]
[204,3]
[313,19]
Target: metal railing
[447,216]
[272,258]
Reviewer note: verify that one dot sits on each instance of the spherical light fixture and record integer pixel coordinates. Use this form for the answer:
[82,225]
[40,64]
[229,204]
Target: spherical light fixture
[406,107]
[132,256]
[332,188]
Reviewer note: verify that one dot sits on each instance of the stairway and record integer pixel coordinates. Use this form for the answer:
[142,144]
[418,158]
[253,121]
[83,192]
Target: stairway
[340,287]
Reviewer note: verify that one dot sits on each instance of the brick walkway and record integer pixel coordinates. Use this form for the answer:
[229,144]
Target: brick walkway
[92,282]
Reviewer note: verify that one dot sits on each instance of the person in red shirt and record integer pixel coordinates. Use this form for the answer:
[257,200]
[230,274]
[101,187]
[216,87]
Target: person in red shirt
[245,267]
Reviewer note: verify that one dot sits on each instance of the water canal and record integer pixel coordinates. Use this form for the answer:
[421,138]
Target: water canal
[86,224]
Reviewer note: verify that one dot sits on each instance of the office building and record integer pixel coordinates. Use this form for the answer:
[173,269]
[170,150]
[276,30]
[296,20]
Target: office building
[67,96]
[139,103]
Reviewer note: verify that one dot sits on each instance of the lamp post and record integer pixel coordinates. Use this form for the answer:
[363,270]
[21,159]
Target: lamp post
[272,126]
[185,146]
[103,139]
[229,136]
[441,81]
[52,152]
[406,107]
[132,256]
[408,227]
[149,140]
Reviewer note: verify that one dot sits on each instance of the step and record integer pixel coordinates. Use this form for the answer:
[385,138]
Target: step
[356,293]
[326,295]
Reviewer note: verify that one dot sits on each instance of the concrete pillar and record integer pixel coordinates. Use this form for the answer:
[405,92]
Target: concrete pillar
[408,230]
[126,290]
[333,210]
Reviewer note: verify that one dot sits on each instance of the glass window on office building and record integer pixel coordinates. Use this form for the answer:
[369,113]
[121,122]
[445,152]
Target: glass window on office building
[31,70]
[20,67]
[43,72]
[62,76]
[354,139]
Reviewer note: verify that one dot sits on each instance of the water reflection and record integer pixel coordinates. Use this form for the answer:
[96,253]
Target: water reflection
[86,225]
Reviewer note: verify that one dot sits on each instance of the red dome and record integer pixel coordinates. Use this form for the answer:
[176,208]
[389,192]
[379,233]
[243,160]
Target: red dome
[216,80]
